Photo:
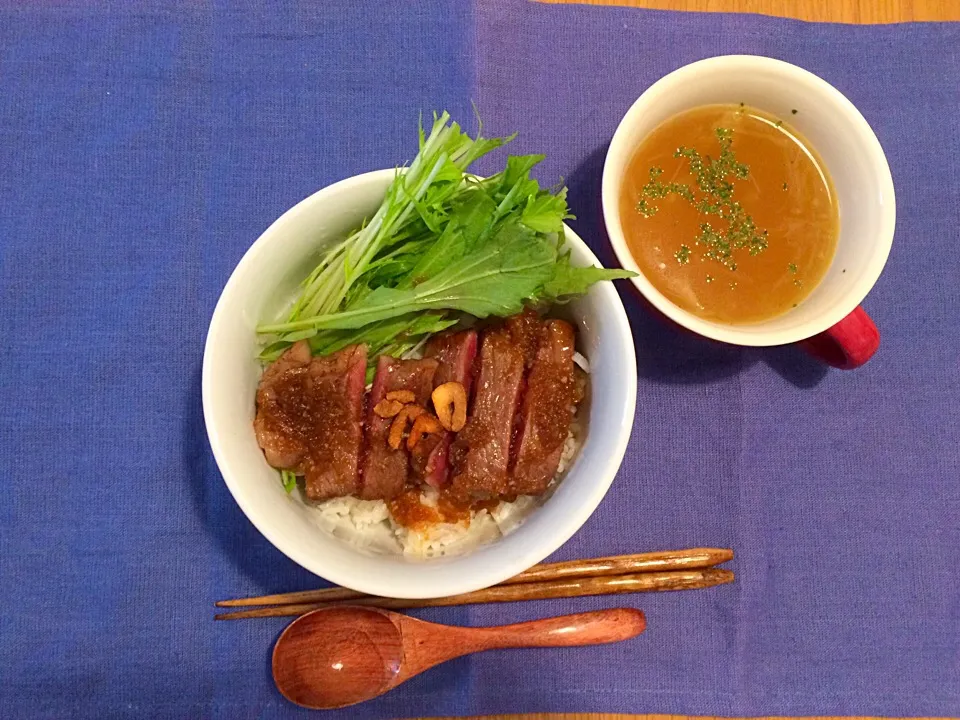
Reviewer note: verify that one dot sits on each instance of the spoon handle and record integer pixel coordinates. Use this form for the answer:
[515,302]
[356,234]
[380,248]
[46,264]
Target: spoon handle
[426,645]
[589,628]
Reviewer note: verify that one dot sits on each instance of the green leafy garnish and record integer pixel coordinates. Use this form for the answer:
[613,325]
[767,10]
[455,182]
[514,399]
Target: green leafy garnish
[289,480]
[443,244]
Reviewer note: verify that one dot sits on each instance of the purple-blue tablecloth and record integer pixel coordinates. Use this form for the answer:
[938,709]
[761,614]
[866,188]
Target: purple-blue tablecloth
[145,145]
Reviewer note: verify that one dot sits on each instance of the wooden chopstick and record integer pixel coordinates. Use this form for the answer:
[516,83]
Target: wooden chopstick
[572,587]
[693,559]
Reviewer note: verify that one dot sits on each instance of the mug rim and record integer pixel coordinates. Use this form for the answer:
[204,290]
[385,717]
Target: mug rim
[621,150]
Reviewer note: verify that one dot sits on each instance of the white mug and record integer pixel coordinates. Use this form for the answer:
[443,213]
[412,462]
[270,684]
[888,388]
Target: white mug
[829,323]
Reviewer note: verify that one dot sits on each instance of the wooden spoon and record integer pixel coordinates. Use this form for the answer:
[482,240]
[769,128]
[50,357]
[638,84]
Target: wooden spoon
[339,656]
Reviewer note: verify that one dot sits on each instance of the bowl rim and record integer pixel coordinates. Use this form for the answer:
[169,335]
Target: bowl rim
[486,574]
[730,333]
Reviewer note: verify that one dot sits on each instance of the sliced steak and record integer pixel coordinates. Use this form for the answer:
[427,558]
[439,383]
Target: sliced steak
[282,448]
[297,355]
[545,413]
[455,353]
[525,330]
[310,415]
[385,469]
[429,459]
[479,457]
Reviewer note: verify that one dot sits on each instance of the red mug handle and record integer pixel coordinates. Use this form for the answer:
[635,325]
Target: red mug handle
[846,345]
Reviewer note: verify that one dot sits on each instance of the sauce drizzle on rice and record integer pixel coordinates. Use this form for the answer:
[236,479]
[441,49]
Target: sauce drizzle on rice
[369,527]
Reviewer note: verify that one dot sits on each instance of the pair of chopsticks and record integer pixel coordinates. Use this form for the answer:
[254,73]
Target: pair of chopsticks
[646,572]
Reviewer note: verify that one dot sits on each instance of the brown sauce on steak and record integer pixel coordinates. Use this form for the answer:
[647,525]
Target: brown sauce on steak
[313,419]
[309,418]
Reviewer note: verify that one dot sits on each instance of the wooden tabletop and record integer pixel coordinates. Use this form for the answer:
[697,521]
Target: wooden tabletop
[843,11]
[598,716]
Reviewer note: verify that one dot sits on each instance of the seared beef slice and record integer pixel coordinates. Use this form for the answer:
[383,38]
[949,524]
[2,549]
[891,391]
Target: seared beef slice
[310,416]
[545,413]
[282,446]
[481,452]
[455,353]
[525,330]
[385,469]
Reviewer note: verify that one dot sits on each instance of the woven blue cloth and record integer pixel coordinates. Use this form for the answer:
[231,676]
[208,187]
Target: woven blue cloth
[145,145]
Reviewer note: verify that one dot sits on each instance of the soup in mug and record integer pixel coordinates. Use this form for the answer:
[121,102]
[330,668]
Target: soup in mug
[730,213]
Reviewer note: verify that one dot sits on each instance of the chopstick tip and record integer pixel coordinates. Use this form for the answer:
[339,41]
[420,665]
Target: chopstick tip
[721,576]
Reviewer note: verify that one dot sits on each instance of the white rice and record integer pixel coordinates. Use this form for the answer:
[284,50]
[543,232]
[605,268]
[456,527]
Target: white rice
[368,526]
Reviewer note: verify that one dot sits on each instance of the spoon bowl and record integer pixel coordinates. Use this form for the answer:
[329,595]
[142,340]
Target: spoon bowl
[339,656]
[360,656]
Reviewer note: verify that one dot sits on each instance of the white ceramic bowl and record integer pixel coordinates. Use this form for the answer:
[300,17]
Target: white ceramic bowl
[843,139]
[265,281]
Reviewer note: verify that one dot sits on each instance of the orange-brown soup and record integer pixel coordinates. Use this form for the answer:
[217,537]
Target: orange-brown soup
[730,213]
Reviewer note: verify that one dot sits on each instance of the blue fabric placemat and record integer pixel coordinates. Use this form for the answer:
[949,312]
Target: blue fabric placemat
[145,145]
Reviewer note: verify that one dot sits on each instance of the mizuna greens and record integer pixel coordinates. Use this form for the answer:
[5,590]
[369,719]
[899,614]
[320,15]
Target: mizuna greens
[442,244]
